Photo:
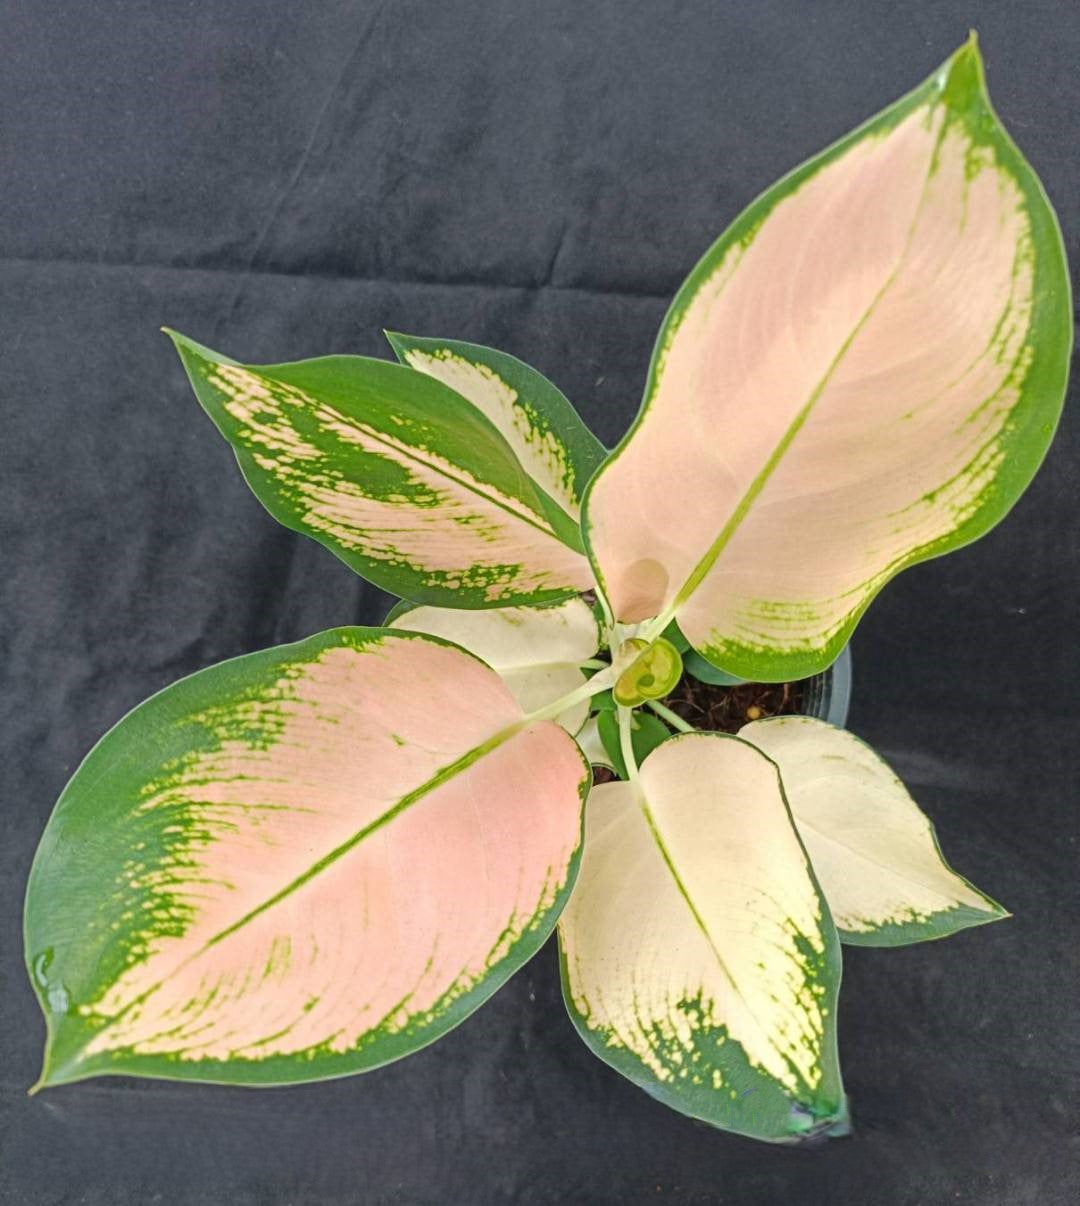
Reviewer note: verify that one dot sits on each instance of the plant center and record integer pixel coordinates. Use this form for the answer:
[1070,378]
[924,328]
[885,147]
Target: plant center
[654,671]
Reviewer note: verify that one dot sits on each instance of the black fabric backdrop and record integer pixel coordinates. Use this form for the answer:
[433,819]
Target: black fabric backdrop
[284,180]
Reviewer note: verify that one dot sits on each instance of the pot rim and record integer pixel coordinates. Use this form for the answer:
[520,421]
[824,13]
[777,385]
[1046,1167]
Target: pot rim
[828,695]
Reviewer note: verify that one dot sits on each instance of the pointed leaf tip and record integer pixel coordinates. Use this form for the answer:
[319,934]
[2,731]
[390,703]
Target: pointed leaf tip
[939,238]
[963,75]
[874,852]
[394,472]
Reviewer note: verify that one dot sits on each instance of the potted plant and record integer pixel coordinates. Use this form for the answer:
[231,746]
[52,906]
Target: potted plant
[317,858]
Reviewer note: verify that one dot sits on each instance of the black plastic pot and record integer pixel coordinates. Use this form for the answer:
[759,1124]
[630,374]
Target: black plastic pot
[828,696]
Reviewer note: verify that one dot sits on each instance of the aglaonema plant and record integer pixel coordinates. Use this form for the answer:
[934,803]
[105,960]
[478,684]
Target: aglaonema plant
[311,860]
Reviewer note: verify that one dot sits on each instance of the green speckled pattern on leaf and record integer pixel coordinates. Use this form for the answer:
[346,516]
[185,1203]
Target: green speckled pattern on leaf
[828,429]
[401,478]
[699,958]
[268,872]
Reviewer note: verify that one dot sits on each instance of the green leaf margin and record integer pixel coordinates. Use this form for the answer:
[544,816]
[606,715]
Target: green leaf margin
[388,388]
[547,407]
[62,873]
[770,1115]
[960,83]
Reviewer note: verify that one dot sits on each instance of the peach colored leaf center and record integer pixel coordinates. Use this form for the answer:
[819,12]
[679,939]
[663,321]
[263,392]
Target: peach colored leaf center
[863,372]
[354,845]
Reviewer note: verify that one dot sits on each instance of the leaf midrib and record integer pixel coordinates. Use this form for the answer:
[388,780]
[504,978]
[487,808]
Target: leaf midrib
[744,505]
[654,830]
[415,453]
[891,871]
[502,501]
[444,775]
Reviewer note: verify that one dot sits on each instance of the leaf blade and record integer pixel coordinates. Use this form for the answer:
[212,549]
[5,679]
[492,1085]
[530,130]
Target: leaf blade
[716,995]
[874,851]
[705,672]
[398,476]
[537,651]
[211,898]
[859,462]
[549,437]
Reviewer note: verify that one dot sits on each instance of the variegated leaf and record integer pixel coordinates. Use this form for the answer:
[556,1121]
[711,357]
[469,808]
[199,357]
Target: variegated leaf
[298,864]
[537,651]
[875,854]
[863,372]
[556,448]
[396,474]
[698,956]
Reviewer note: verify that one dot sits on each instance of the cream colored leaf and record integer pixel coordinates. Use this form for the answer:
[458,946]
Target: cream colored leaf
[874,852]
[537,651]
[698,956]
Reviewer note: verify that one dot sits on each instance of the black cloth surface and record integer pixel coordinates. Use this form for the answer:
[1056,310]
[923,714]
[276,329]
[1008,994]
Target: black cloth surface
[282,181]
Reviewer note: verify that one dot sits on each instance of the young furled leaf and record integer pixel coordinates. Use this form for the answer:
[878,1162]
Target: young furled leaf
[536,651]
[400,477]
[698,956]
[864,371]
[875,854]
[546,433]
[298,864]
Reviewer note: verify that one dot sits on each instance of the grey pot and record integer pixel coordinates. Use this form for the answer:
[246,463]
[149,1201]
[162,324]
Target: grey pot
[828,695]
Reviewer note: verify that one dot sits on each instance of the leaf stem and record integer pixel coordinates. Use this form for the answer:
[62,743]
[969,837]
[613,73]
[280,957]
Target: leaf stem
[672,718]
[626,742]
[596,684]
[654,627]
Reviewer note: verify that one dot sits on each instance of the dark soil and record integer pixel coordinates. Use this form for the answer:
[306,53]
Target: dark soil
[725,709]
